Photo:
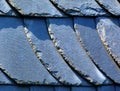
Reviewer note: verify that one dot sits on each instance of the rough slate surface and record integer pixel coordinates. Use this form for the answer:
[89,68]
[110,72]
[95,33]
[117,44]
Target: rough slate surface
[59,8]
[54,45]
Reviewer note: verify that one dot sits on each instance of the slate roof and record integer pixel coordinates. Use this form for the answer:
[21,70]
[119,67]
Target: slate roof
[59,45]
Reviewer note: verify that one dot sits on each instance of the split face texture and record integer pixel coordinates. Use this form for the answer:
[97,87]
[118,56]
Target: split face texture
[55,45]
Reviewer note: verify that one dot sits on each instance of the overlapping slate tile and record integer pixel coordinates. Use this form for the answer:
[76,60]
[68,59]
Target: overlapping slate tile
[5,9]
[35,8]
[106,88]
[37,32]
[109,33]
[86,31]
[113,6]
[17,59]
[80,7]
[61,31]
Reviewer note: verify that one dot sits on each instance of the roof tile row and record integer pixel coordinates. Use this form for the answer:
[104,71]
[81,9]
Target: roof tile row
[56,51]
[59,8]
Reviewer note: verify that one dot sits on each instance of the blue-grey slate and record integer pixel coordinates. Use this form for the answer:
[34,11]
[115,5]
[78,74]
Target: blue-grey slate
[52,60]
[80,88]
[86,30]
[64,38]
[17,58]
[42,88]
[112,6]
[117,88]
[13,88]
[109,33]
[4,79]
[36,8]
[80,7]
[106,88]
[5,9]
[62,88]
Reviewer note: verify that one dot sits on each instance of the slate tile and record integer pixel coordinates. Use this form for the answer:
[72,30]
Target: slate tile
[37,32]
[86,31]
[13,88]
[5,9]
[42,88]
[35,8]
[62,88]
[113,6]
[4,79]
[106,88]
[63,35]
[80,7]
[17,59]
[110,36]
[83,89]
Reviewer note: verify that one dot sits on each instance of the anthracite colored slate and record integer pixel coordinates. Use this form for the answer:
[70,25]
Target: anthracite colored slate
[80,7]
[84,89]
[106,88]
[48,53]
[113,6]
[5,9]
[86,31]
[63,35]
[35,8]
[109,33]
[42,88]
[17,59]
[13,88]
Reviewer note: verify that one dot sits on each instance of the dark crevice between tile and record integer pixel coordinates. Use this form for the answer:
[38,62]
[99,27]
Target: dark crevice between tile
[14,9]
[102,6]
[2,12]
[80,41]
[70,15]
[118,1]
[110,14]
[14,80]
[9,78]
[55,5]
[33,15]
[9,13]
[63,10]
[35,50]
